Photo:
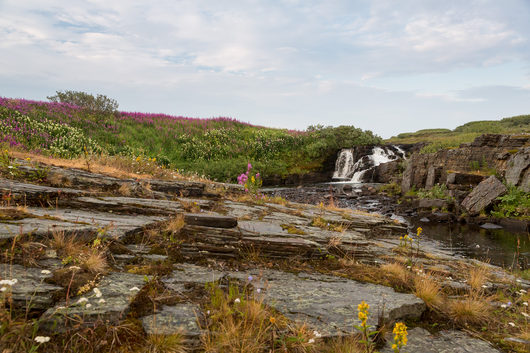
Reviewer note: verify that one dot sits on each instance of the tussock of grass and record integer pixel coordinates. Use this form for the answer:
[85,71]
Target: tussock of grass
[175,224]
[93,262]
[477,278]
[398,272]
[343,345]
[174,343]
[426,288]
[469,310]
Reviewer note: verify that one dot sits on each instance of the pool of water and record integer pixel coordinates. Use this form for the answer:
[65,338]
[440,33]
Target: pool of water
[500,247]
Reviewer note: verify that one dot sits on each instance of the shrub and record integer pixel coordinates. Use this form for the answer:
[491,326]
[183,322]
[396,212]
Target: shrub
[515,203]
[100,103]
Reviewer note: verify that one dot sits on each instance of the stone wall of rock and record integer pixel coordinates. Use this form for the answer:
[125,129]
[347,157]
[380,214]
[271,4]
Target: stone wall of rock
[507,155]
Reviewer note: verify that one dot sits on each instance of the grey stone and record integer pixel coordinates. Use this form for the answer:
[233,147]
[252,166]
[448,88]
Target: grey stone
[186,274]
[329,304]
[181,318]
[490,226]
[118,290]
[433,176]
[433,203]
[464,178]
[42,221]
[483,195]
[421,341]
[30,290]
[518,169]
[210,220]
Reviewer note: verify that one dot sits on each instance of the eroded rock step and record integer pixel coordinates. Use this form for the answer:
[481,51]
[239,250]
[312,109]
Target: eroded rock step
[42,222]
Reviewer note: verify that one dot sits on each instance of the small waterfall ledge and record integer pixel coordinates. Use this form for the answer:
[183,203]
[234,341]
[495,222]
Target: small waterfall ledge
[358,165]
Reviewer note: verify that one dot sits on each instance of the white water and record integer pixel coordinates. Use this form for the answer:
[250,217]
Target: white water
[345,165]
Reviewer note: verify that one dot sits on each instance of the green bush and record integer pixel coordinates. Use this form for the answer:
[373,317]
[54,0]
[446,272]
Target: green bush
[438,191]
[515,203]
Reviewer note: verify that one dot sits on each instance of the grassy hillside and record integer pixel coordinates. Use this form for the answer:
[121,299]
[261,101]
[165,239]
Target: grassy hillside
[219,148]
[445,138]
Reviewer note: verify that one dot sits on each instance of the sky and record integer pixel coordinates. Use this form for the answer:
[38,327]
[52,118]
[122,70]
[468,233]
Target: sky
[383,65]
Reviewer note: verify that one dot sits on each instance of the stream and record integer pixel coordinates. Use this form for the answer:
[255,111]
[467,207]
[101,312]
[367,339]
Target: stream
[489,243]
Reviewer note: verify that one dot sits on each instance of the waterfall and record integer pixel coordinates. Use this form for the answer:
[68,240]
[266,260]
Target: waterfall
[343,164]
[348,170]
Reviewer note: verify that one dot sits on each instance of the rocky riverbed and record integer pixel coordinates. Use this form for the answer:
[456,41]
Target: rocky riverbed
[304,261]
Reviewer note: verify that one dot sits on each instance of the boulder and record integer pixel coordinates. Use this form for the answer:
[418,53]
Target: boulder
[433,176]
[433,203]
[518,170]
[483,195]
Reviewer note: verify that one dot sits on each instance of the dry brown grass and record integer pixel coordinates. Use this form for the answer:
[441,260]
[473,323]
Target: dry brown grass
[175,224]
[125,189]
[174,343]
[426,288]
[94,262]
[343,345]
[469,310]
[116,166]
[477,277]
[398,272]
[65,244]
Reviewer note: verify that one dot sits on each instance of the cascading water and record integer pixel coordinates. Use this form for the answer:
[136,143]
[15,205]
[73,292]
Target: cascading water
[348,170]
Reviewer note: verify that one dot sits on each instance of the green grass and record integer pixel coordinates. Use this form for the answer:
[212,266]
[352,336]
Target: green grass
[439,139]
[218,148]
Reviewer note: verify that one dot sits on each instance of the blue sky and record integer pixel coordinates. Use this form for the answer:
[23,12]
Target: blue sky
[388,66]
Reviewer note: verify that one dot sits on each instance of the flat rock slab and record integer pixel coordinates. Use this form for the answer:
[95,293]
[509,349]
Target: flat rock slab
[326,303]
[210,220]
[180,318]
[329,304]
[78,221]
[128,205]
[30,289]
[483,195]
[186,274]
[117,289]
[421,341]
[33,193]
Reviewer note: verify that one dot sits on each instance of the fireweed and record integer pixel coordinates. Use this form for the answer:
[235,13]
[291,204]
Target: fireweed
[252,183]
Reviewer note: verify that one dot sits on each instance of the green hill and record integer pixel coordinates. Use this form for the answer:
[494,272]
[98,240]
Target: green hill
[445,138]
[218,148]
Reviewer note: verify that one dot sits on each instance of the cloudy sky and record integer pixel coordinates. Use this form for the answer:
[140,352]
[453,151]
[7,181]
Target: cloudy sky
[384,65]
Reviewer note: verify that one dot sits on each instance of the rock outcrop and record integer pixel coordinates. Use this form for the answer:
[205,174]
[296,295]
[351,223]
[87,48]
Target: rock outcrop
[488,153]
[483,195]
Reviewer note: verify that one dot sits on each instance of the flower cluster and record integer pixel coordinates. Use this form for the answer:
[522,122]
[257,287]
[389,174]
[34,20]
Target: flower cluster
[363,313]
[252,183]
[400,336]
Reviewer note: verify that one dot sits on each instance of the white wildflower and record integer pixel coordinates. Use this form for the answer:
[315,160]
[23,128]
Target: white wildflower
[525,314]
[97,292]
[525,303]
[74,268]
[101,301]
[518,281]
[45,272]
[8,282]
[237,300]
[503,306]
[484,286]
[258,290]
[511,324]
[311,341]
[3,289]
[134,288]
[82,300]
[522,291]
[317,334]
[88,306]
[42,339]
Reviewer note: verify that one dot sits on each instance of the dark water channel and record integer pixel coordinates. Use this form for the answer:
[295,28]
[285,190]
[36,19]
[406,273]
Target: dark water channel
[502,247]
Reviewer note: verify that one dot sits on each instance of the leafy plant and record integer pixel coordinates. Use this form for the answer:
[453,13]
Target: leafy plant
[515,203]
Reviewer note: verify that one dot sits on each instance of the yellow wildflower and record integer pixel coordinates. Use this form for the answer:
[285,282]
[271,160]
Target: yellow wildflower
[363,312]
[272,319]
[419,230]
[138,159]
[400,338]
